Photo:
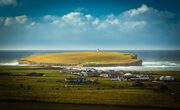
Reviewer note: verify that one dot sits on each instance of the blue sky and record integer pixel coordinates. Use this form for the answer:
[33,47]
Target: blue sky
[89,24]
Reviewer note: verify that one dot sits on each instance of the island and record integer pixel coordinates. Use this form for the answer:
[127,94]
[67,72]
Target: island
[83,59]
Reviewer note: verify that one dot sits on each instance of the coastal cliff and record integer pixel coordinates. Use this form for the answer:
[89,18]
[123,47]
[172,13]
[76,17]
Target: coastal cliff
[86,59]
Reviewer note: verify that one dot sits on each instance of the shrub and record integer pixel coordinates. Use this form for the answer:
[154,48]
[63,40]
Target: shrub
[138,84]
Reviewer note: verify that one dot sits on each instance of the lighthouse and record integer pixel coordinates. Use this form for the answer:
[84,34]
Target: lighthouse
[97,50]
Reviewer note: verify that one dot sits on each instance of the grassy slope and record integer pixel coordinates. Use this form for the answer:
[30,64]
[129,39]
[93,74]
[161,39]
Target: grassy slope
[81,58]
[106,92]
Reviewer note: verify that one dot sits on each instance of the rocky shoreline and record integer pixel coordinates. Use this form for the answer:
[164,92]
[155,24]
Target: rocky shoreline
[135,63]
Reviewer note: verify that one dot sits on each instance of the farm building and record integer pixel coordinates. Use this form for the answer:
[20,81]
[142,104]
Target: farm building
[75,80]
[127,74]
[122,79]
[115,77]
[166,78]
[141,78]
[104,75]
[112,75]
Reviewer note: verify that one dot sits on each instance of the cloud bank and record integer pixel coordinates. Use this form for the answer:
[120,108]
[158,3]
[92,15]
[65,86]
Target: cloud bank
[134,26]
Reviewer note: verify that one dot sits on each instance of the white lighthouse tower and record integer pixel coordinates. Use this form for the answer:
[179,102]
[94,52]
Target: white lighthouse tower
[97,50]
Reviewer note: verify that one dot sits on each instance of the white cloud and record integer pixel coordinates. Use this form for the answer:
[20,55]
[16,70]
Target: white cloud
[80,9]
[1,20]
[89,17]
[112,19]
[145,23]
[56,22]
[32,23]
[77,22]
[73,16]
[7,2]
[132,19]
[50,18]
[8,21]
[133,24]
[96,21]
[148,13]
[134,12]
[76,19]
[21,19]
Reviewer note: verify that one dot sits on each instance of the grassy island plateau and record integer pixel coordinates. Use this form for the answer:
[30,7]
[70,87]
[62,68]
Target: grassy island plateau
[83,59]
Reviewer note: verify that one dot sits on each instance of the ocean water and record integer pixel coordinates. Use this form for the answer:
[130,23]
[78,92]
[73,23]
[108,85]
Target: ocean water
[152,59]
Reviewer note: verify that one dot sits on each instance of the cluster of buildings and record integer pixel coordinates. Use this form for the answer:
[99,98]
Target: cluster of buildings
[113,75]
[127,76]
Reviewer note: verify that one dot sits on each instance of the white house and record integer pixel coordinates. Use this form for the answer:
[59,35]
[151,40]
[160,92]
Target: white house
[104,75]
[122,79]
[169,78]
[127,74]
[166,78]
[77,73]
[119,79]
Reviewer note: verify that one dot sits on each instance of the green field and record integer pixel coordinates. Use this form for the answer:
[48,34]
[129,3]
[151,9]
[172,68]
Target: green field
[83,59]
[52,88]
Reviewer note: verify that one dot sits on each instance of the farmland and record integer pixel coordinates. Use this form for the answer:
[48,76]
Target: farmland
[52,88]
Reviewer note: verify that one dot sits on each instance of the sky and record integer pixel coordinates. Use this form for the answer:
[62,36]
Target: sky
[89,24]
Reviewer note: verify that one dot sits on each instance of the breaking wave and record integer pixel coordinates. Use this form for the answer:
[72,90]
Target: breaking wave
[13,63]
[160,64]
[152,66]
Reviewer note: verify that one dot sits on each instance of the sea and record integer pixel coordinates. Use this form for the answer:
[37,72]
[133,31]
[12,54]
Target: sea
[153,60]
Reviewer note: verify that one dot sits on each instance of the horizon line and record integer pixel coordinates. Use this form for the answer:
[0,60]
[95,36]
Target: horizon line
[85,49]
